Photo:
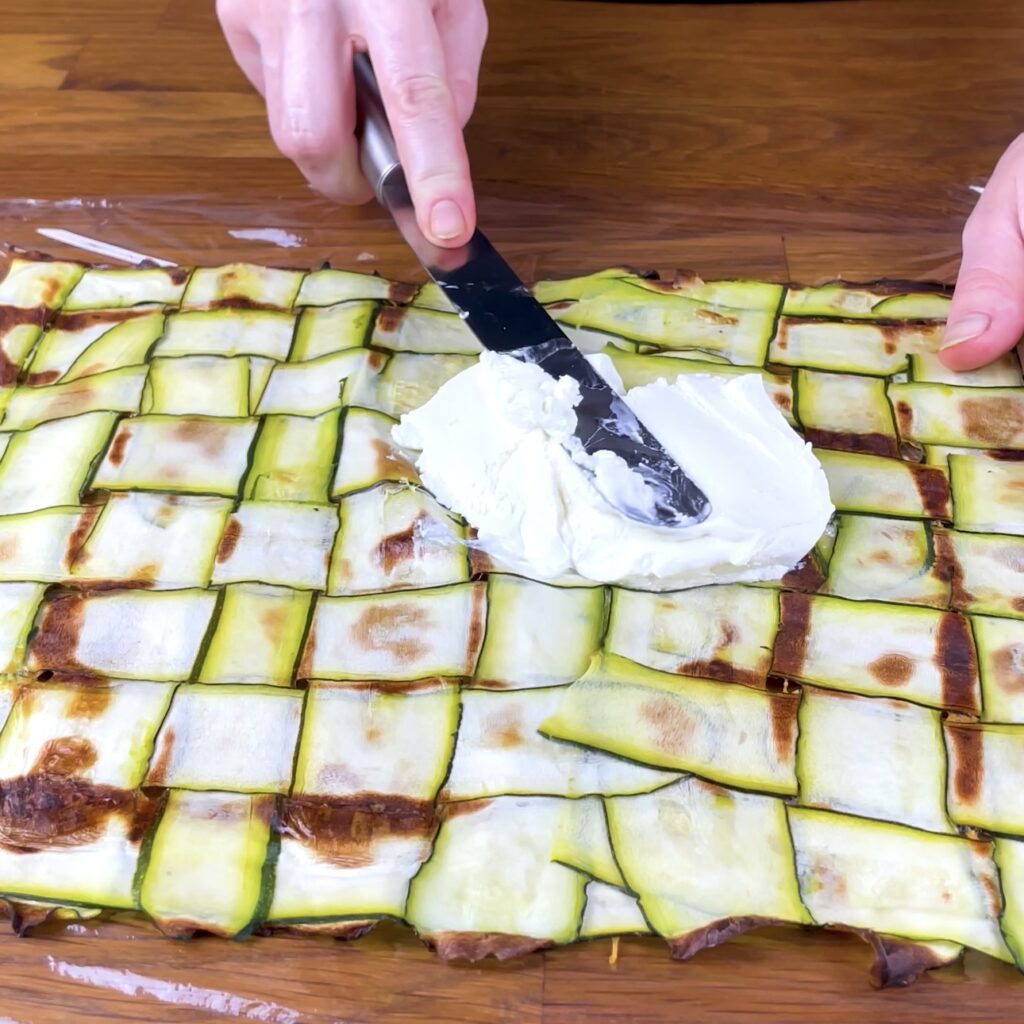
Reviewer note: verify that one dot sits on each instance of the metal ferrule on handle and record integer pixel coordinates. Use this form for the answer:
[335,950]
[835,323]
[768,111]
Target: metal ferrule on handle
[378,154]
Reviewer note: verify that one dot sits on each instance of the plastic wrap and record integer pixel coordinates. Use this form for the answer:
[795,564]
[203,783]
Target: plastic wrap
[540,234]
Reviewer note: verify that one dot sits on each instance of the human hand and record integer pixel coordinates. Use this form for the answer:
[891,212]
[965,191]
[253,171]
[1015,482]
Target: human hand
[986,318]
[426,56]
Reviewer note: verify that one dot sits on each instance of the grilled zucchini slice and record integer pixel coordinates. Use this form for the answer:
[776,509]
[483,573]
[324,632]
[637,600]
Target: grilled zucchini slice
[523,646]
[686,851]
[897,880]
[501,752]
[873,757]
[206,864]
[727,733]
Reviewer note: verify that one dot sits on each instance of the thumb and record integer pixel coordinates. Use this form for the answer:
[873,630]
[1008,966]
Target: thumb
[986,318]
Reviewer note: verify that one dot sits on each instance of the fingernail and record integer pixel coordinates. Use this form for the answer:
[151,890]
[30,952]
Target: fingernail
[965,329]
[446,220]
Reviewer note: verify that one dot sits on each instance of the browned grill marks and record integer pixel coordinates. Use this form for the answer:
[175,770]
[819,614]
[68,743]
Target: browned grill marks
[807,576]
[399,547]
[957,661]
[504,728]
[162,756]
[91,317]
[893,670]
[966,760]
[724,671]
[904,418]
[209,437]
[40,812]
[794,630]
[1008,668]
[390,318]
[229,540]
[474,946]
[390,464]
[996,420]
[682,947]
[844,441]
[65,755]
[116,453]
[477,625]
[89,700]
[15,316]
[782,709]
[55,646]
[671,726]
[346,832]
[81,532]
[401,293]
[711,316]
[933,488]
[948,564]
[33,380]
[380,628]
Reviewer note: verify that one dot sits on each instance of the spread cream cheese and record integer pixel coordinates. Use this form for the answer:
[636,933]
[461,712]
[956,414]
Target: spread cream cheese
[492,446]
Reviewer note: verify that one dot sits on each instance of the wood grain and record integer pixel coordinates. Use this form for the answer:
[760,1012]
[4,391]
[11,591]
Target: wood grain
[785,140]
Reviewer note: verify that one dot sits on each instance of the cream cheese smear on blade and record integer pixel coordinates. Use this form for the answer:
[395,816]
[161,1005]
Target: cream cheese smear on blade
[492,447]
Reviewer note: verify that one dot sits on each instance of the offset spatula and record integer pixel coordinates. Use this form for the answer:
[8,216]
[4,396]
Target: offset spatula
[505,317]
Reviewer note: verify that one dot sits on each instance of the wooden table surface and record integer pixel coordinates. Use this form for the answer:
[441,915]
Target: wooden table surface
[796,141]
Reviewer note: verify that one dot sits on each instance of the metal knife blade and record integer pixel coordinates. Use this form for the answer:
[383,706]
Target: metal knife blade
[499,309]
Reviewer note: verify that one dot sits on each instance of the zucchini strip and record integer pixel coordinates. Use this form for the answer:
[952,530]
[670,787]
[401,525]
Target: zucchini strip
[1001,664]
[257,636]
[238,738]
[396,538]
[368,455]
[48,466]
[205,870]
[611,911]
[242,283]
[988,496]
[341,862]
[500,753]
[877,558]
[986,782]
[100,733]
[878,350]
[29,283]
[158,540]
[728,733]
[109,288]
[987,571]
[873,757]
[279,543]
[719,632]
[881,486]
[521,649]
[322,331]
[918,654]
[187,454]
[126,634]
[968,417]
[480,894]
[411,635]
[686,851]
[897,880]
[360,743]
[845,413]
[228,332]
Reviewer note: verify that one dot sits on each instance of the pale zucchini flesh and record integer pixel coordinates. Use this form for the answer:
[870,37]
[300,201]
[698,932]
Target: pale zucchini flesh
[260,678]
[686,851]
